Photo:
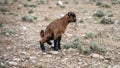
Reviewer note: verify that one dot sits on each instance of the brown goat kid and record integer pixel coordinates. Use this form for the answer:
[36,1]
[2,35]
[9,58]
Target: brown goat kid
[55,30]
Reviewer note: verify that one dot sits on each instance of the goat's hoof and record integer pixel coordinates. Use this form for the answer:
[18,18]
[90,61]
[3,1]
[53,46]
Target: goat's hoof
[59,48]
[52,47]
[44,51]
[55,49]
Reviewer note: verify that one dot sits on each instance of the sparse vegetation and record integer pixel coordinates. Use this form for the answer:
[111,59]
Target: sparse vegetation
[91,35]
[94,47]
[81,21]
[60,4]
[114,2]
[3,9]
[76,44]
[29,18]
[107,20]
[1,25]
[99,13]
[30,5]
[2,66]
[30,11]
[41,1]
[94,0]
[101,4]
[8,32]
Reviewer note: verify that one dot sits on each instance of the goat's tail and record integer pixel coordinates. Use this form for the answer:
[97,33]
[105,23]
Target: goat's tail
[42,33]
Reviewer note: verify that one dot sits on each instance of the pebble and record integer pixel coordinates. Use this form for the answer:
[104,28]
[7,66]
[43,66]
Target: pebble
[23,53]
[69,35]
[60,3]
[79,63]
[62,15]
[16,59]
[116,66]
[48,56]
[116,22]
[7,34]
[94,55]
[24,28]
[2,64]
[12,63]
[101,57]
[33,57]
[54,52]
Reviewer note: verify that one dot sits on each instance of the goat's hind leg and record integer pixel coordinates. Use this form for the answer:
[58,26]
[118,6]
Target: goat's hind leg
[55,45]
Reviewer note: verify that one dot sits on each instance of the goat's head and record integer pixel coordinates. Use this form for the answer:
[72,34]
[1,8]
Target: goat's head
[71,17]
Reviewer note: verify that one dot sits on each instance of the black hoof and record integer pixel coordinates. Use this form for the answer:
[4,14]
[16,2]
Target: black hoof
[59,48]
[44,51]
[52,47]
[55,49]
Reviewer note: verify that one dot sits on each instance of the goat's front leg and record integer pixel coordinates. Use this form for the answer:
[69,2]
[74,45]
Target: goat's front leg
[59,40]
[44,39]
[42,47]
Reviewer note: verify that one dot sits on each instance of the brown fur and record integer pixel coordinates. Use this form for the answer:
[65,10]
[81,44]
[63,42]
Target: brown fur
[56,28]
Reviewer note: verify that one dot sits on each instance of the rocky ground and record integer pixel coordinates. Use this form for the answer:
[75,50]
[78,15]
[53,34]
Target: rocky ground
[97,45]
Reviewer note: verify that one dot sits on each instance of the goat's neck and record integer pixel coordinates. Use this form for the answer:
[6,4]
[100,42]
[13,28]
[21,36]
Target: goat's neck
[65,21]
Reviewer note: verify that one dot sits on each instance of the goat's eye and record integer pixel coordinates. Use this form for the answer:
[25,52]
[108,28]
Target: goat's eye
[73,15]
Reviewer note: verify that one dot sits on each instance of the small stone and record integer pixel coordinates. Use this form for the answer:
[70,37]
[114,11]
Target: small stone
[69,35]
[90,17]
[48,56]
[2,64]
[106,61]
[57,58]
[60,3]
[62,15]
[79,63]
[71,50]
[23,53]
[5,55]
[44,53]
[109,66]
[116,66]
[16,59]
[9,47]
[94,55]
[24,28]
[7,34]
[64,60]
[116,22]
[101,57]
[83,35]
[54,52]
[12,63]
[33,57]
